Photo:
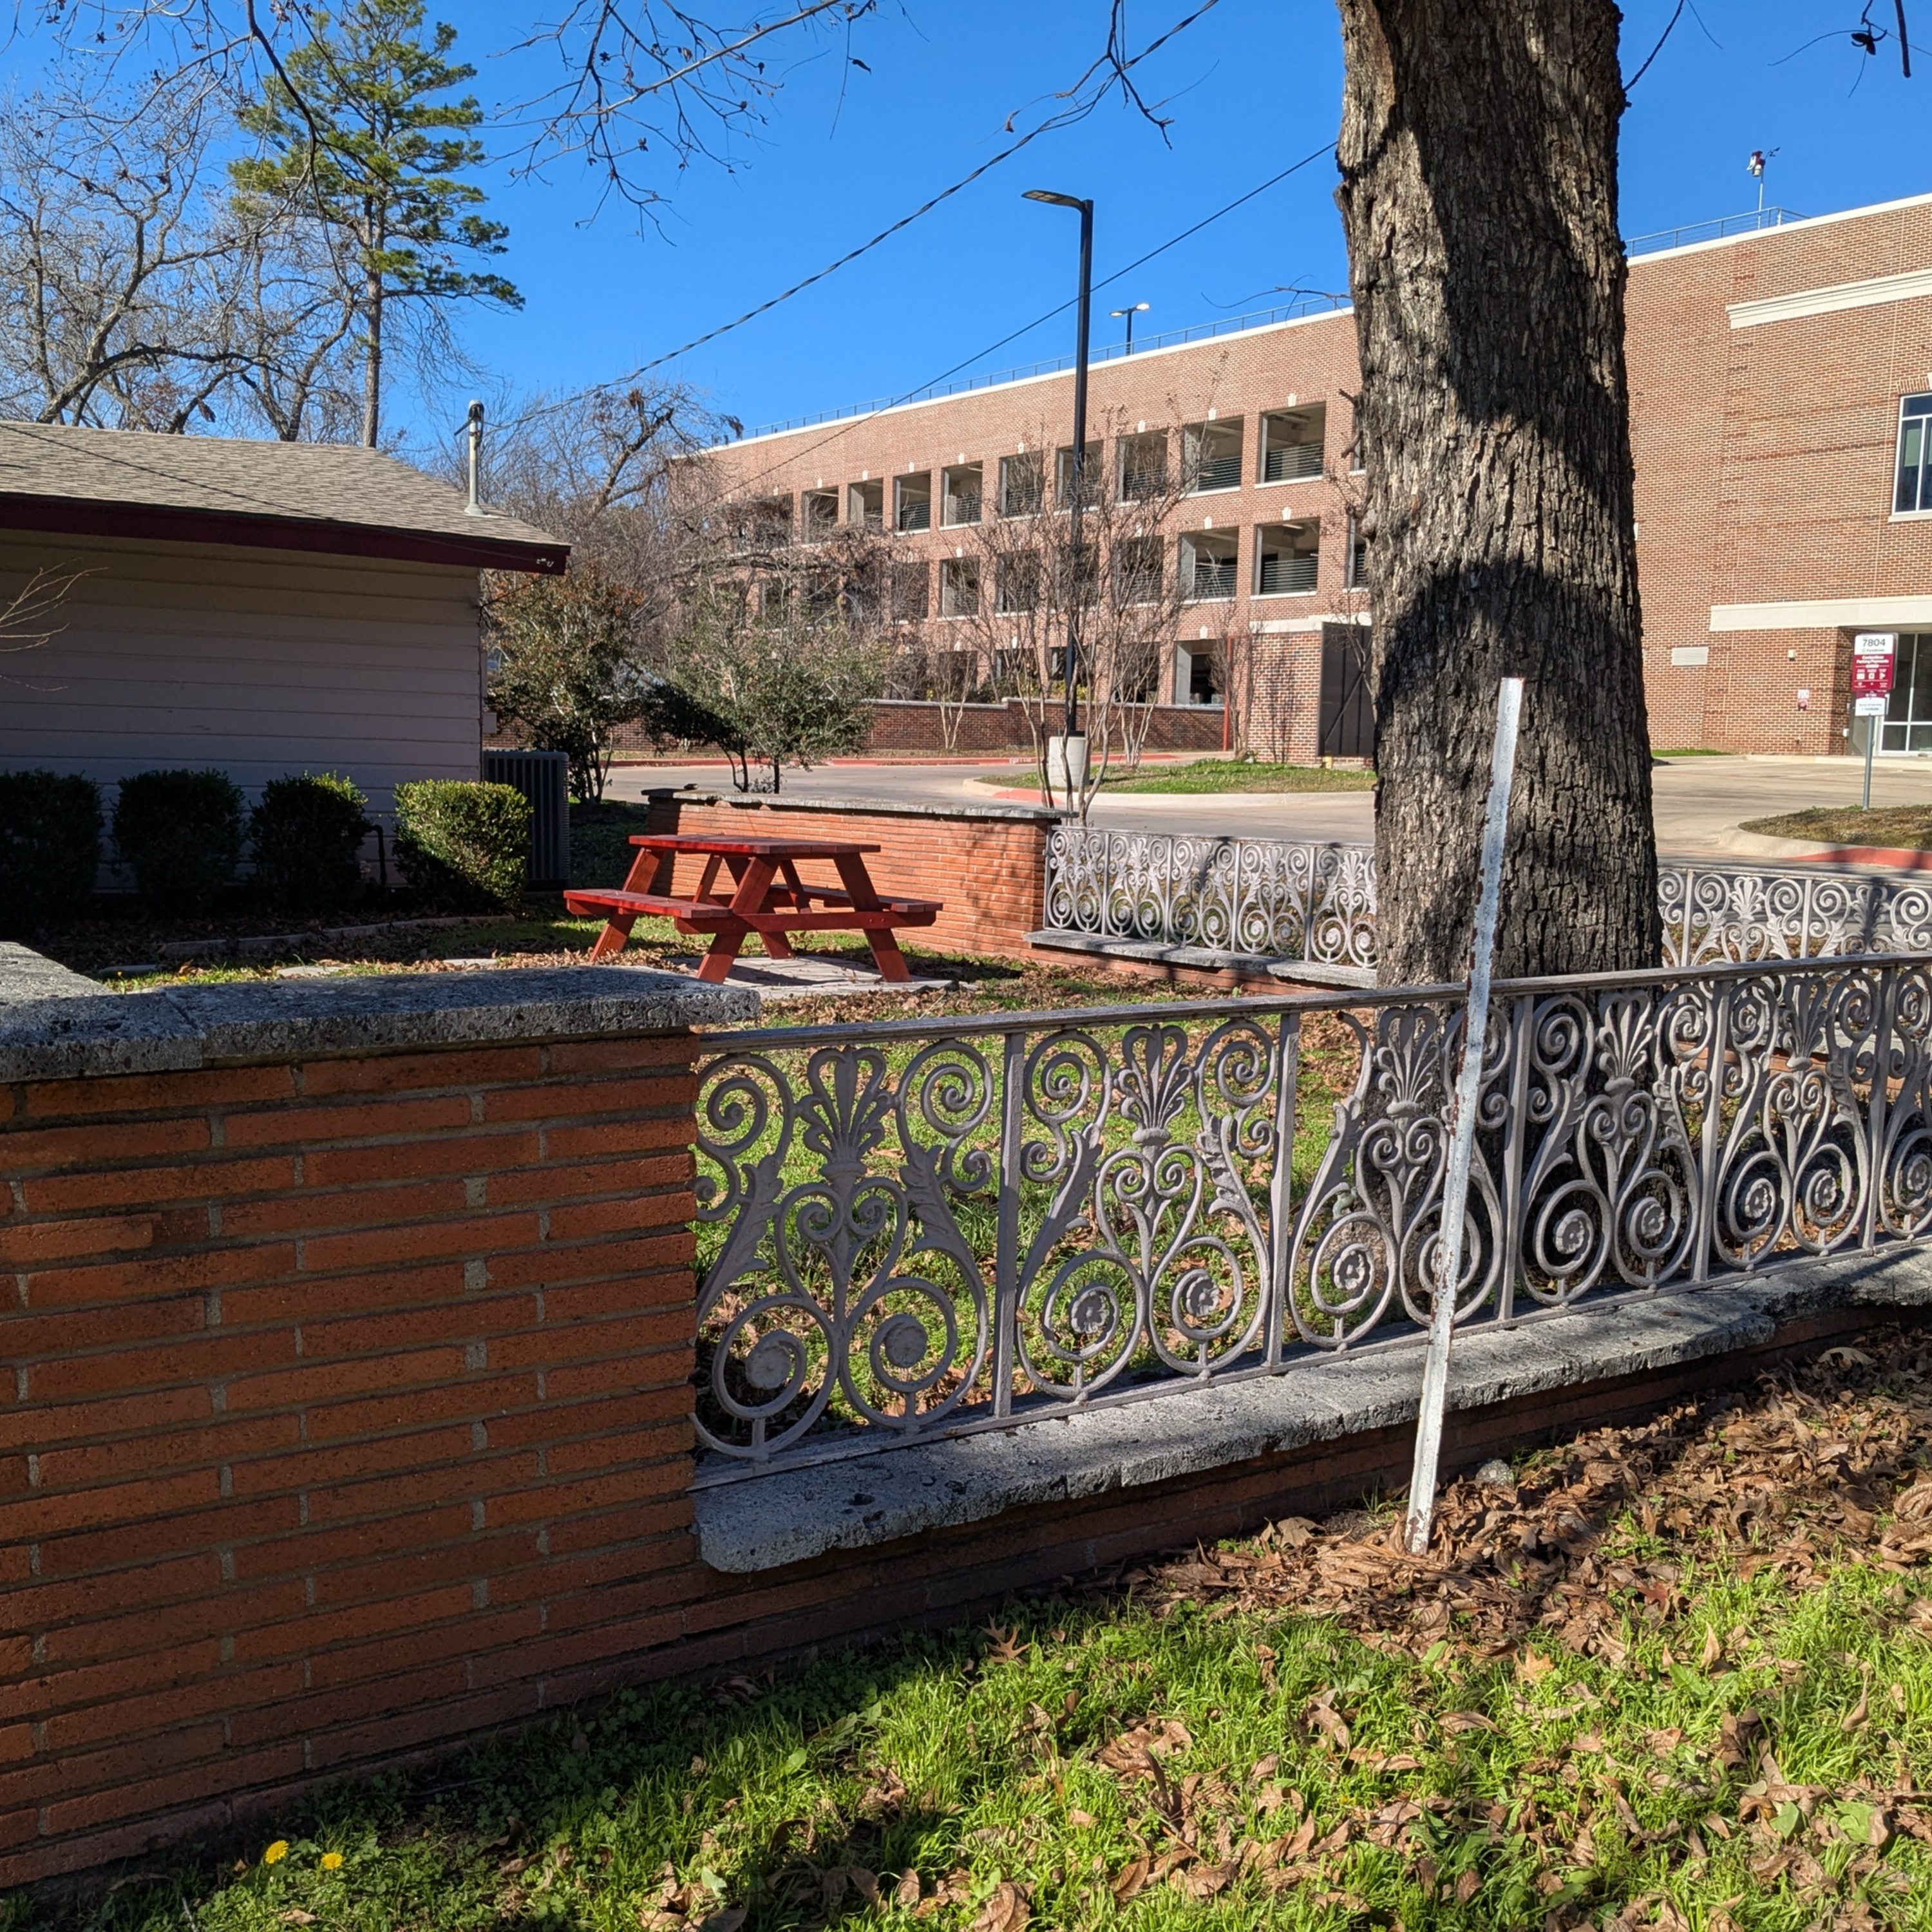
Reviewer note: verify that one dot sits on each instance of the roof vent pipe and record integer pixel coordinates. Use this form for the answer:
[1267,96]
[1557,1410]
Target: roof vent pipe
[474,506]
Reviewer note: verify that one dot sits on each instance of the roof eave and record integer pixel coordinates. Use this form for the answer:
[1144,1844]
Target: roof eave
[155,522]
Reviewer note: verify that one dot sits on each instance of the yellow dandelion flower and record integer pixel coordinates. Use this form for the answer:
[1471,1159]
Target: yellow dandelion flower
[332,1860]
[276,1852]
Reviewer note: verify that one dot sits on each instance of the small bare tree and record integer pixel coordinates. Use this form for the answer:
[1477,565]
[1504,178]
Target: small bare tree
[30,617]
[1013,590]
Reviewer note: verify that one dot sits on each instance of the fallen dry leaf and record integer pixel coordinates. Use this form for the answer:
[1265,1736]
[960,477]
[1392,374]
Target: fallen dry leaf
[906,1892]
[1132,1881]
[1781,1475]
[1006,1910]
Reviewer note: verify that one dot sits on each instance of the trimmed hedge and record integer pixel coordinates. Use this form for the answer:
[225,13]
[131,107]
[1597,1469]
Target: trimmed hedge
[49,849]
[181,832]
[308,834]
[464,845]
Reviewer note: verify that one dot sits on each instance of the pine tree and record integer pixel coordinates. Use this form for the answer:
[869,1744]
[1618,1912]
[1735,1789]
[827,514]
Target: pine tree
[355,135]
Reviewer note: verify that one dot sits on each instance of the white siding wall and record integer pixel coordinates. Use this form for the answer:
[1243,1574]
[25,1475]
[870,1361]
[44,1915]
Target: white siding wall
[260,662]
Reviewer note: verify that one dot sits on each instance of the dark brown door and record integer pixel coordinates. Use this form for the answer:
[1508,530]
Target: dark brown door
[1345,722]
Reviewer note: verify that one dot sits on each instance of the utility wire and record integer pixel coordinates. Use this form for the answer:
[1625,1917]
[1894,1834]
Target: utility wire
[1065,118]
[980,355]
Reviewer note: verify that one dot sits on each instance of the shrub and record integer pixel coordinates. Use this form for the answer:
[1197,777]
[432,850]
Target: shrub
[466,846]
[50,847]
[181,832]
[308,834]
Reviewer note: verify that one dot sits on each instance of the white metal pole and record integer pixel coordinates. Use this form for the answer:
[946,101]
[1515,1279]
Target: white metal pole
[1462,1125]
[1871,740]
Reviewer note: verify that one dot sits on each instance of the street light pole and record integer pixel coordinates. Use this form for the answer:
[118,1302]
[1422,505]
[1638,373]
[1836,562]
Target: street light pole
[1073,754]
[1138,308]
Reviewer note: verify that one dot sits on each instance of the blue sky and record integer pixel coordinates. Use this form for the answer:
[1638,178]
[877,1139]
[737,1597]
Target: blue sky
[1254,85]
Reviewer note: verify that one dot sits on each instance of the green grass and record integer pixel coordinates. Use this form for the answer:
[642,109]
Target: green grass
[1217,775]
[1908,826]
[1740,1742]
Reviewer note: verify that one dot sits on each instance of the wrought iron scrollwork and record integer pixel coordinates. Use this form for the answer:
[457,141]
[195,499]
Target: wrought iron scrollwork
[1278,899]
[927,1230]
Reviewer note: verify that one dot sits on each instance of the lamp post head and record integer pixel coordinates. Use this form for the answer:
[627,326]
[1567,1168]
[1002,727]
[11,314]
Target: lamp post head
[1047,194]
[1138,308]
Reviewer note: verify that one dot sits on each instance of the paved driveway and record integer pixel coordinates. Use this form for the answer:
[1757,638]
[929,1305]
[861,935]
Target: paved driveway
[1698,800]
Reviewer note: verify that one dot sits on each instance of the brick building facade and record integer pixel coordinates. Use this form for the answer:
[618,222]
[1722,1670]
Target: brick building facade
[1783,498]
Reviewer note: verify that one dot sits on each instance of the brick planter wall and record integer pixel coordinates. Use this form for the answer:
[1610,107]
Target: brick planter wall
[987,864]
[345,1397]
[343,1407]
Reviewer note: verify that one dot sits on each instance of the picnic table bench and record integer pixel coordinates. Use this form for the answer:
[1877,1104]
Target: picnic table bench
[766,896]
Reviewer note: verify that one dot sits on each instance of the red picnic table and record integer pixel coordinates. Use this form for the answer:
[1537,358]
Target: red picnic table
[767,897]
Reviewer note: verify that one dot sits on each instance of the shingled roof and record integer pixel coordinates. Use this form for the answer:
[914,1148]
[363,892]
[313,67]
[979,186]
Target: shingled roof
[336,497]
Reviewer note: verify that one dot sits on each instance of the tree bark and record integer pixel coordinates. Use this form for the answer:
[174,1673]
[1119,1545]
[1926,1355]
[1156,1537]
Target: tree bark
[372,361]
[1478,153]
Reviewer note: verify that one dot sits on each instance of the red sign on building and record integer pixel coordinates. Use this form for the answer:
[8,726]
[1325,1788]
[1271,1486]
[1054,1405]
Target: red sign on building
[1873,655]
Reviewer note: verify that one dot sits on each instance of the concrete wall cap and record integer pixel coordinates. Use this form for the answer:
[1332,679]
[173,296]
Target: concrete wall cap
[71,1033]
[882,807]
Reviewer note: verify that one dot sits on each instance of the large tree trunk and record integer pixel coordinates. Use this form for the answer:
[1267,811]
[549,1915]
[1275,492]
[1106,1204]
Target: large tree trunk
[1478,152]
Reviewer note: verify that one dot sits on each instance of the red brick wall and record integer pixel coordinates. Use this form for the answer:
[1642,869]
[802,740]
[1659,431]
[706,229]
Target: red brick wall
[342,1410]
[989,873]
[903,726]
[1764,459]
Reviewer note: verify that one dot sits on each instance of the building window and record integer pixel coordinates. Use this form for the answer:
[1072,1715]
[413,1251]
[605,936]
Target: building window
[1287,557]
[1196,674]
[866,506]
[1207,558]
[1907,723]
[1016,585]
[912,503]
[1143,466]
[1211,455]
[961,482]
[1355,563]
[958,587]
[1063,473]
[1020,485]
[1140,569]
[1914,488]
[909,590]
[1290,442]
[818,514]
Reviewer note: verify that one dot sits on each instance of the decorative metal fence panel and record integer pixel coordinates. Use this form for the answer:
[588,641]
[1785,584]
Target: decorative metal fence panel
[913,1230]
[1264,896]
[1734,912]
[1276,899]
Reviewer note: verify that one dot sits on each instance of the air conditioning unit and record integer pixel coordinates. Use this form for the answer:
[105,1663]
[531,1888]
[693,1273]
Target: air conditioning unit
[543,778]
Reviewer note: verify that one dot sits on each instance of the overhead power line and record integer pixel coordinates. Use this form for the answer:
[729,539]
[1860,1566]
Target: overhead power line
[1078,111]
[991,348]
